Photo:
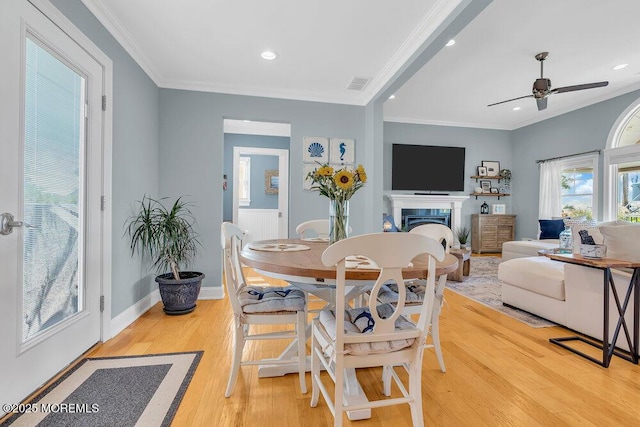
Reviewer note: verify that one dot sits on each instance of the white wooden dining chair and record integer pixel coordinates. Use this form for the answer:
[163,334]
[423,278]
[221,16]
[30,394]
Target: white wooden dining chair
[377,335]
[416,288]
[260,305]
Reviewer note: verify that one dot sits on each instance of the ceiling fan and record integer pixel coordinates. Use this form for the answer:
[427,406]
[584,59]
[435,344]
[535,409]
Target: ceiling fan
[542,87]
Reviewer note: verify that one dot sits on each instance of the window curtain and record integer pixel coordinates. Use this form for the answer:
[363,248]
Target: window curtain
[550,189]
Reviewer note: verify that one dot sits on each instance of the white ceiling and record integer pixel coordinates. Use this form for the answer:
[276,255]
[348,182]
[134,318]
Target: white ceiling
[215,45]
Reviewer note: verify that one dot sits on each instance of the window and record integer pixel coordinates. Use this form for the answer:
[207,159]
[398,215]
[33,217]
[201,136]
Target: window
[244,181]
[577,191]
[628,191]
[568,187]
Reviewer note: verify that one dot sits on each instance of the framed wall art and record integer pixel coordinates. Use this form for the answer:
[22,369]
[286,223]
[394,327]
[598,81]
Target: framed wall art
[308,168]
[271,181]
[315,149]
[342,151]
[493,167]
[486,186]
[498,209]
[482,171]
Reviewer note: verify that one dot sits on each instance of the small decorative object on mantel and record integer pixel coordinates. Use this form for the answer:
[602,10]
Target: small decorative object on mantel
[338,186]
[484,208]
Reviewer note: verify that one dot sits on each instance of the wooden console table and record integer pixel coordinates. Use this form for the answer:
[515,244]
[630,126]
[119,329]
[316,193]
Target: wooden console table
[608,348]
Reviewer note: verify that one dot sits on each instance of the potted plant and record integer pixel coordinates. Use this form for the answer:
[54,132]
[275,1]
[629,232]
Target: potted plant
[462,234]
[167,236]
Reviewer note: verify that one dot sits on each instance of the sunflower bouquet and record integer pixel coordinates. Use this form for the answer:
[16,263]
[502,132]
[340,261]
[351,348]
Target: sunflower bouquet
[338,186]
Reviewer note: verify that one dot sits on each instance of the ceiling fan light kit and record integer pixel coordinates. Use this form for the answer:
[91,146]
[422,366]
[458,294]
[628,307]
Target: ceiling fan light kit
[542,87]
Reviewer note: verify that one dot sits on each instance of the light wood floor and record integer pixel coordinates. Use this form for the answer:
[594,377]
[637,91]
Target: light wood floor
[499,372]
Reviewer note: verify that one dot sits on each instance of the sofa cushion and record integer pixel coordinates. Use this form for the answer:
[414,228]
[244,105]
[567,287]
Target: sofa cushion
[536,274]
[528,247]
[550,228]
[622,240]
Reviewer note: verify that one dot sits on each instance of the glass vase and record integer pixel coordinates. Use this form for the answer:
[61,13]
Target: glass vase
[338,220]
[566,241]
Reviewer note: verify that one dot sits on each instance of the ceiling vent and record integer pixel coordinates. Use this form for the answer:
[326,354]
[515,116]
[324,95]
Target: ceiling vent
[359,83]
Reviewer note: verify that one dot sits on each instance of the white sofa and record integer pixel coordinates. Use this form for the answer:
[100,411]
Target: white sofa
[570,295]
[526,248]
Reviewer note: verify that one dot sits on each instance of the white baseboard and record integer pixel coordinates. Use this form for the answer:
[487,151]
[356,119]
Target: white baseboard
[128,316]
[211,292]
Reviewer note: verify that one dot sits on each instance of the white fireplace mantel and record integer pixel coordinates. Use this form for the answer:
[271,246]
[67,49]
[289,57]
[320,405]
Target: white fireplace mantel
[414,201]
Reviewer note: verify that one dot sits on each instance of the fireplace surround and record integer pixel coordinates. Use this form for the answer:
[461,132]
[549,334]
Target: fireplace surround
[430,203]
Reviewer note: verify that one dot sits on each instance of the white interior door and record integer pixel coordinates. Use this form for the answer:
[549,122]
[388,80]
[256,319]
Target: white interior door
[262,223]
[50,175]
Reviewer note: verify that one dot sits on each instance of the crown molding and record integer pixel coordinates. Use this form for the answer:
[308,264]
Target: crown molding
[104,14]
[415,121]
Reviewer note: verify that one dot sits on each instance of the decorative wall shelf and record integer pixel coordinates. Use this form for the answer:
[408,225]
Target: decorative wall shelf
[476,177]
[498,195]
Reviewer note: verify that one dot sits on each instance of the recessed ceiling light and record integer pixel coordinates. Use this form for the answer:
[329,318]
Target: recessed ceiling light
[450,43]
[620,67]
[269,55]
[392,97]
[516,108]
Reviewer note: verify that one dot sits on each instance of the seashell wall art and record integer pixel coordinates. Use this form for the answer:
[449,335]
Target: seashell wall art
[316,149]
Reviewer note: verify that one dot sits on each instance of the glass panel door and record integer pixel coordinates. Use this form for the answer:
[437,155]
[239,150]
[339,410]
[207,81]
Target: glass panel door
[53,168]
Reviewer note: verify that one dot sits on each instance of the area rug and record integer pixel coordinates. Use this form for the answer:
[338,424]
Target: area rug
[113,391]
[483,286]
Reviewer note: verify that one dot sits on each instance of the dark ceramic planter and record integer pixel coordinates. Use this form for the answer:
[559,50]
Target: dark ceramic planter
[180,296]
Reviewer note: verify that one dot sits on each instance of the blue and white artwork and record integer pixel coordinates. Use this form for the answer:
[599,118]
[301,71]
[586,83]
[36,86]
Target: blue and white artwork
[315,150]
[342,151]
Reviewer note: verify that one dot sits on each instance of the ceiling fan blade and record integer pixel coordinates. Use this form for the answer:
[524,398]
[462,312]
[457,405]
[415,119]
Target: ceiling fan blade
[542,103]
[509,100]
[579,87]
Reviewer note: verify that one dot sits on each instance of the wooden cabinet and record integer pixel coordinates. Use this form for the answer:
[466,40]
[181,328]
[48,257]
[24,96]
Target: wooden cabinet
[489,232]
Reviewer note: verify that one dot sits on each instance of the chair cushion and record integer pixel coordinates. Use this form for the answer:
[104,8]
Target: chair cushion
[359,320]
[415,293]
[271,299]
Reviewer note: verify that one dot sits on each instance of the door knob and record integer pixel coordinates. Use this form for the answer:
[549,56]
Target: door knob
[7,223]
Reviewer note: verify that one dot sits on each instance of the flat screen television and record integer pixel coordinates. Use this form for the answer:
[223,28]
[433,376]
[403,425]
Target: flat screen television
[427,168]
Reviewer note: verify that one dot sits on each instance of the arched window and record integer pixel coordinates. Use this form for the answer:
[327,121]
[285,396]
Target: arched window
[622,167]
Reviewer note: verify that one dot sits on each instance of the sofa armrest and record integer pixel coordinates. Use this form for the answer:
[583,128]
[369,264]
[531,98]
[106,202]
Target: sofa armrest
[584,295]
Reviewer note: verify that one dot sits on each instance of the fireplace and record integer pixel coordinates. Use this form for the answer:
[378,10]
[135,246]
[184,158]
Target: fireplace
[412,218]
[430,208]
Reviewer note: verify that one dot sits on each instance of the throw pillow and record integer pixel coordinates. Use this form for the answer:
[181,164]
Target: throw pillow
[593,231]
[622,239]
[550,228]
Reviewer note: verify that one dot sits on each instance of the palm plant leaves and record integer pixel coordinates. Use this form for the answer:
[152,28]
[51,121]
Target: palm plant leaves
[165,235]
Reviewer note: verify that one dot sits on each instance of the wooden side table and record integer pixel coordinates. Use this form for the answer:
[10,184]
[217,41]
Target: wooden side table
[632,336]
[464,264]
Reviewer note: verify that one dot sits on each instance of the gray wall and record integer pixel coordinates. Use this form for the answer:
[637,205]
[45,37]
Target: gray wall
[480,144]
[192,156]
[135,152]
[232,140]
[575,132]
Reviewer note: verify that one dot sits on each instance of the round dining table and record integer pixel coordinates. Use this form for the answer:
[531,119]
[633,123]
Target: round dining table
[294,262]
[299,261]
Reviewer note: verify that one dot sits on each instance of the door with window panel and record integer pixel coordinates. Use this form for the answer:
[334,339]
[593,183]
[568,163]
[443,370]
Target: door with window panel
[50,229]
